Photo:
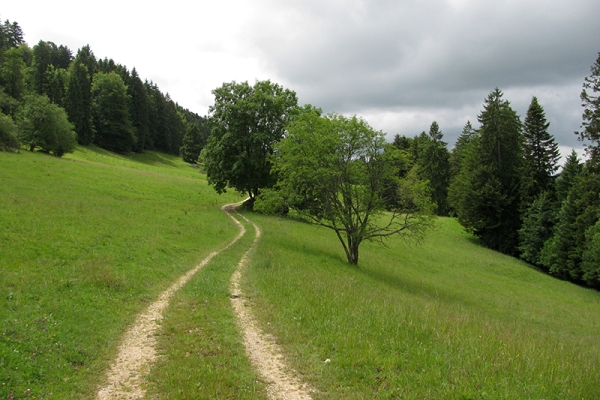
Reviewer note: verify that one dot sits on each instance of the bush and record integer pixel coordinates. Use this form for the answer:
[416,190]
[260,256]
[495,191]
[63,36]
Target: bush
[270,202]
[8,134]
[45,125]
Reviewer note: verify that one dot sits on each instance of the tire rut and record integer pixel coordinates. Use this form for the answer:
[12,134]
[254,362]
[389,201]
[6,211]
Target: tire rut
[137,352]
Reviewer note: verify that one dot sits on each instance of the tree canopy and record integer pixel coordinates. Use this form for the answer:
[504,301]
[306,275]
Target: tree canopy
[246,123]
[333,171]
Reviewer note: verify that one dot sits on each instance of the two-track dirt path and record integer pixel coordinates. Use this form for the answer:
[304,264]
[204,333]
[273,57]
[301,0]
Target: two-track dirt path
[137,352]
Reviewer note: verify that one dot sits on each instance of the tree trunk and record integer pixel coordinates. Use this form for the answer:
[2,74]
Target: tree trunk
[352,252]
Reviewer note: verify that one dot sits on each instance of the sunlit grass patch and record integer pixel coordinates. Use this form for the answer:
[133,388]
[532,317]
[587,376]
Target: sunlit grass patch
[85,244]
[446,319]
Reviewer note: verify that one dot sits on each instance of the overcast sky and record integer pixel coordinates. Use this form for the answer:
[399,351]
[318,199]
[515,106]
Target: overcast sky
[400,64]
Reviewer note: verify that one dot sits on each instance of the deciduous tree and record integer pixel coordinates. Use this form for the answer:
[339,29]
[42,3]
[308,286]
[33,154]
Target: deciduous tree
[46,125]
[111,113]
[246,123]
[333,171]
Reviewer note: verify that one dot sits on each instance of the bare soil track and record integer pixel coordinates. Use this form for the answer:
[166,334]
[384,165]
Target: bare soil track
[137,352]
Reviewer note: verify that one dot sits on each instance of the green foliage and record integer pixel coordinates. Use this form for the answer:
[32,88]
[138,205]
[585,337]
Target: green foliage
[562,254]
[246,123]
[8,133]
[570,174]
[45,125]
[42,59]
[193,142]
[538,221]
[333,171]
[111,113]
[463,141]
[78,101]
[540,154]
[590,99]
[139,109]
[270,202]
[448,319]
[591,256]
[486,193]
[12,73]
[434,167]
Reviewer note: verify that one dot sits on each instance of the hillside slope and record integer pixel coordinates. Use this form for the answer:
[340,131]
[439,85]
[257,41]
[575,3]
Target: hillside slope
[446,319]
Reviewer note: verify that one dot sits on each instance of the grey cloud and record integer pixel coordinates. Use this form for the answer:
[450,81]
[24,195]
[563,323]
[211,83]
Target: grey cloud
[430,57]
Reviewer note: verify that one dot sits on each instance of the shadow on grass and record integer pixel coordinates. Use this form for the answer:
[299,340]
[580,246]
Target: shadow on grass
[149,158]
[418,288]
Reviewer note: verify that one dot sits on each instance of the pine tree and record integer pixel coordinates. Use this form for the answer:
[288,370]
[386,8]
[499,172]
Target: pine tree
[193,142]
[486,194]
[569,175]
[538,221]
[591,115]
[78,101]
[540,154]
[42,59]
[435,168]
[139,109]
[12,73]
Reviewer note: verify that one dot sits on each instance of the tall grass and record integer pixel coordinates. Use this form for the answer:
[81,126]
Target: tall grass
[85,244]
[444,320]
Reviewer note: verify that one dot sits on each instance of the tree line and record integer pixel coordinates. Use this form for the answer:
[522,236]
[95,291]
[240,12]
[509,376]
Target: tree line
[51,100]
[499,180]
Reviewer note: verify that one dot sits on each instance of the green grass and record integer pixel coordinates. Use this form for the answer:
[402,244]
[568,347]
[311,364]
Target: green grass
[444,320]
[88,241]
[202,354]
[85,244]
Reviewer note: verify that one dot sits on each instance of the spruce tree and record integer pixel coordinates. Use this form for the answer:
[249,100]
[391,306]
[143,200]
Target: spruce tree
[569,175]
[537,227]
[435,168]
[487,203]
[139,109]
[193,142]
[78,101]
[540,154]
[591,115]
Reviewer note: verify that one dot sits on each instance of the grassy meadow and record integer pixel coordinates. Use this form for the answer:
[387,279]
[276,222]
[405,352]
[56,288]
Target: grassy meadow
[86,242]
[444,320]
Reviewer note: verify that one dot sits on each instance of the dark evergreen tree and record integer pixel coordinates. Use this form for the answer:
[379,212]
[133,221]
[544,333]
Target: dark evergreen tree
[562,254]
[193,142]
[402,142]
[87,58]
[434,166]
[591,256]
[175,127]
[540,154]
[11,36]
[42,59]
[78,101]
[62,57]
[456,154]
[111,113]
[139,109]
[57,81]
[591,115]
[12,73]
[538,221]
[569,175]
[487,203]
